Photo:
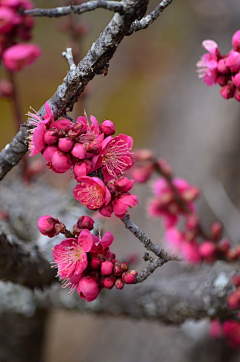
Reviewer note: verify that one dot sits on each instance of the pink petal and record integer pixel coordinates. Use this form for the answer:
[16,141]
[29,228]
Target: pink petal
[107,239]
[85,240]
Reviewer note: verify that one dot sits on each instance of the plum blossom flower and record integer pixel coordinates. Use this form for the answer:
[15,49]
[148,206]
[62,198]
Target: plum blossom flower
[70,255]
[92,192]
[20,55]
[115,157]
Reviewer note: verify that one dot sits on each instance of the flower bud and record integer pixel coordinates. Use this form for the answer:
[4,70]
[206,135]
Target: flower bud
[224,246]
[128,278]
[134,273]
[79,151]
[88,288]
[119,284]
[117,270]
[94,147]
[223,79]
[227,91]
[123,184]
[236,41]
[51,137]
[208,251]
[124,266]
[65,144]
[216,230]
[107,127]
[233,300]
[142,174]
[50,226]
[221,67]
[109,282]
[106,268]
[142,155]
[236,80]
[61,161]
[96,263]
[236,280]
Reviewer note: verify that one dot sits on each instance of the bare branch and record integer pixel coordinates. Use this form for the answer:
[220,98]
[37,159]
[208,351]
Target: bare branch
[78,9]
[153,265]
[149,245]
[68,55]
[149,19]
[22,265]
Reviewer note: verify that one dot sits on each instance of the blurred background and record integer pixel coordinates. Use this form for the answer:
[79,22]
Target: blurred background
[151,93]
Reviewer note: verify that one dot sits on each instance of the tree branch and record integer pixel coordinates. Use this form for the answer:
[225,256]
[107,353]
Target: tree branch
[95,62]
[149,19]
[22,265]
[149,245]
[77,9]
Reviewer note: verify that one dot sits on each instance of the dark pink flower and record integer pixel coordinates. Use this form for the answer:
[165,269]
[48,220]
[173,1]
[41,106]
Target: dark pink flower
[106,268]
[18,56]
[70,255]
[207,68]
[116,156]
[233,61]
[227,91]
[65,144]
[121,204]
[108,128]
[61,161]
[92,192]
[79,151]
[8,19]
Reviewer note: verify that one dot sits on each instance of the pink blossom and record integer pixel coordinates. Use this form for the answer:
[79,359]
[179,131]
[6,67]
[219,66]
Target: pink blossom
[65,144]
[92,192]
[236,80]
[8,19]
[49,152]
[51,137]
[231,331]
[108,128]
[116,156]
[142,173]
[70,255]
[18,56]
[88,288]
[128,278]
[227,91]
[79,151]
[106,268]
[207,69]
[50,226]
[119,284]
[109,282]
[123,184]
[233,300]
[61,161]
[233,61]
[121,204]
[236,41]
[211,46]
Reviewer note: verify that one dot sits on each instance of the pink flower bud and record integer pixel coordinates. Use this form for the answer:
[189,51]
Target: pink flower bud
[18,56]
[237,94]
[109,282]
[216,230]
[106,268]
[233,300]
[94,147]
[61,161]
[50,137]
[128,278]
[236,280]
[208,251]
[50,226]
[164,166]
[111,256]
[49,152]
[142,155]
[65,144]
[236,80]
[96,263]
[191,221]
[223,79]
[224,246]
[6,88]
[134,273]
[221,67]
[85,222]
[79,151]
[190,194]
[119,284]
[123,184]
[142,174]
[82,168]
[233,61]
[108,128]
[124,266]
[227,91]
[88,289]
[117,270]
[236,41]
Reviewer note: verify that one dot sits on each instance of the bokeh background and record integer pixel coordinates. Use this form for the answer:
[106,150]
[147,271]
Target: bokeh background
[152,93]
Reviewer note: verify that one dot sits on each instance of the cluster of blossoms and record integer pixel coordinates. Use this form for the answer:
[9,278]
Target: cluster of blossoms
[15,26]
[97,159]
[84,261]
[174,202]
[215,68]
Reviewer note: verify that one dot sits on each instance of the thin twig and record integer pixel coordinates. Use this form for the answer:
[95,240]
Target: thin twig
[77,9]
[153,265]
[149,19]
[69,56]
[149,245]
